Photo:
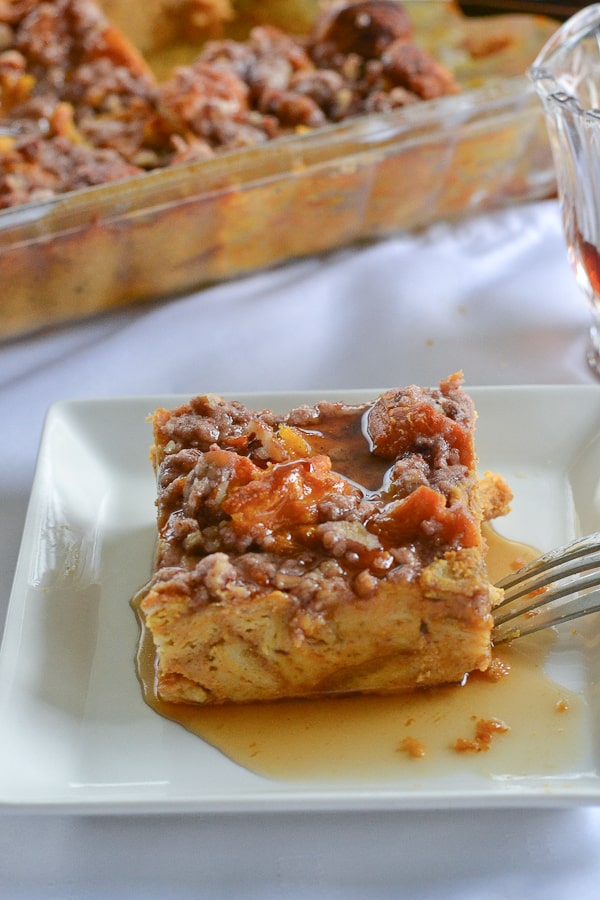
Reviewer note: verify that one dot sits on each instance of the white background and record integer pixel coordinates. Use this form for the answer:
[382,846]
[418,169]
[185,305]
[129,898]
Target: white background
[493,296]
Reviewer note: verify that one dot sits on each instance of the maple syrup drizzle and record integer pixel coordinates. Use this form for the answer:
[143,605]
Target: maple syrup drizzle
[530,725]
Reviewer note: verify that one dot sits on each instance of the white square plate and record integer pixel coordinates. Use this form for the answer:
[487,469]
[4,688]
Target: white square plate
[76,733]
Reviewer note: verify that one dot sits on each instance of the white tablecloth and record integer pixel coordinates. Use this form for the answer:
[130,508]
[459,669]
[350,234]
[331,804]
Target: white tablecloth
[493,296]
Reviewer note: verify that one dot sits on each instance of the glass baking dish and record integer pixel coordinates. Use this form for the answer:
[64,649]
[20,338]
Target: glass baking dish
[174,230]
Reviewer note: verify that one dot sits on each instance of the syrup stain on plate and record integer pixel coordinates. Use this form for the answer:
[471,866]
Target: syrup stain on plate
[511,722]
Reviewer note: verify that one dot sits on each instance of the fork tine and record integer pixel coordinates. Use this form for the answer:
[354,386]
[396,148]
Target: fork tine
[538,577]
[558,557]
[526,602]
[554,581]
[578,607]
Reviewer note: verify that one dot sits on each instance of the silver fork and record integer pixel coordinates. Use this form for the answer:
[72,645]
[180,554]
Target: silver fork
[550,590]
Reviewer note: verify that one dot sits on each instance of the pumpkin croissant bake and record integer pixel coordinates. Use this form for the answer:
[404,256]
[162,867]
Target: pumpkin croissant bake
[334,549]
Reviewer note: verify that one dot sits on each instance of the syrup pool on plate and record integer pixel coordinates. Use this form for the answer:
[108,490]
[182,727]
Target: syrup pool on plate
[514,721]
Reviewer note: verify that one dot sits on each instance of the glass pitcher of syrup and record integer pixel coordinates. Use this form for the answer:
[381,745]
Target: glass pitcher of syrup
[566,76]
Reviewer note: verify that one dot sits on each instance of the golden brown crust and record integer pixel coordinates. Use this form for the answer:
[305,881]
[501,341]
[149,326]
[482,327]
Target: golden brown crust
[495,496]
